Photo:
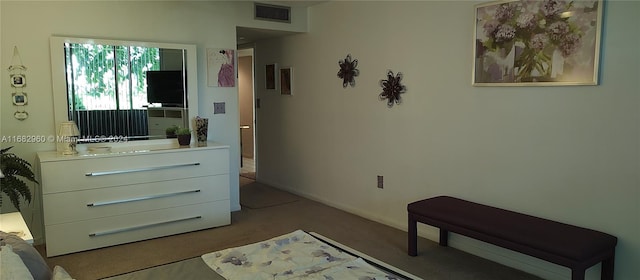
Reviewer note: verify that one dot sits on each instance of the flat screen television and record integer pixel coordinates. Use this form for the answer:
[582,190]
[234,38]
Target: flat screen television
[166,87]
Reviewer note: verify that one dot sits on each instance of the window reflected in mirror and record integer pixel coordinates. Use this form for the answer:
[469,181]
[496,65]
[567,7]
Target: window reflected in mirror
[110,89]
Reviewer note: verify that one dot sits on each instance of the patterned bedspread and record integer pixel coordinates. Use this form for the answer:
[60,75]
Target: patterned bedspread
[296,255]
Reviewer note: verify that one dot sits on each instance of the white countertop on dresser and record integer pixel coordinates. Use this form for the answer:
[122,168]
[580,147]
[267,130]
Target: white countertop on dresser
[129,148]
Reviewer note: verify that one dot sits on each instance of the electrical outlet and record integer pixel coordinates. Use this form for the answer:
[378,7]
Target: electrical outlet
[218,108]
[380,182]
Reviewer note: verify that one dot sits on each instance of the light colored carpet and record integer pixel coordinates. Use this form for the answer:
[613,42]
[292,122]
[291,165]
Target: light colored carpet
[193,268]
[256,195]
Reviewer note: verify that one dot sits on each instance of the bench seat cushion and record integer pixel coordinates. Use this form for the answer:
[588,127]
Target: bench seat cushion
[572,242]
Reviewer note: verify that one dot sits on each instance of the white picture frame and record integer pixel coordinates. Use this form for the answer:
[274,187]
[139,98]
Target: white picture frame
[19,99]
[18,80]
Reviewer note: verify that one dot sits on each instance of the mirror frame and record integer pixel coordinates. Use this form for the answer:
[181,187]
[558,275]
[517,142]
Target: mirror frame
[59,84]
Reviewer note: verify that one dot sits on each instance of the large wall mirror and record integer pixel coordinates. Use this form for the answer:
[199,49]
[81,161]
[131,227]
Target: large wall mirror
[115,90]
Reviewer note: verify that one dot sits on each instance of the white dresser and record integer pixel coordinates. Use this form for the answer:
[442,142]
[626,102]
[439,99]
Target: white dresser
[130,194]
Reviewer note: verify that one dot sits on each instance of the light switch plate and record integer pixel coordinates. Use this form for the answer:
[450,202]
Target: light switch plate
[218,108]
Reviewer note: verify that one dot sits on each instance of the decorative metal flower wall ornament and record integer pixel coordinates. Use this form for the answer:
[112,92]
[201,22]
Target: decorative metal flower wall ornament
[392,88]
[348,71]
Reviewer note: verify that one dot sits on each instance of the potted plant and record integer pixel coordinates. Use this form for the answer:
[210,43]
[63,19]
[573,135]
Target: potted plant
[14,171]
[171,131]
[184,136]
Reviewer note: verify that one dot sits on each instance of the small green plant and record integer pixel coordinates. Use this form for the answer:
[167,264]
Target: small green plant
[171,130]
[14,171]
[183,131]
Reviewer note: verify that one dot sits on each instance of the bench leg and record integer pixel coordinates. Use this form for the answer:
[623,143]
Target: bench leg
[412,235]
[577,274]
[606,272]
[444,237]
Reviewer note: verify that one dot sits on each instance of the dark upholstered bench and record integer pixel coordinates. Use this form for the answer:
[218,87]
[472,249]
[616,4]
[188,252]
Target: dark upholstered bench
[566,245]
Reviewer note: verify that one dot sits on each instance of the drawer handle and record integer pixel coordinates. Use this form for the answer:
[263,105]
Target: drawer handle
[101,173]
[114,231]
[139,198]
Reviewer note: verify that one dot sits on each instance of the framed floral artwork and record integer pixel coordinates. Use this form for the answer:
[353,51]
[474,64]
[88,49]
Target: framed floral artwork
[537,43]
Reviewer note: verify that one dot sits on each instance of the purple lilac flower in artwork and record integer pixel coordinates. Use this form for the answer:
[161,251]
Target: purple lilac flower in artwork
[569,44]
[505,12]
[557,30]
[553,7]
[505,33]
[526,21]
[539,41]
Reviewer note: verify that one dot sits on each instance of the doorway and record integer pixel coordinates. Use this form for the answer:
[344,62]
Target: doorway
[247,113]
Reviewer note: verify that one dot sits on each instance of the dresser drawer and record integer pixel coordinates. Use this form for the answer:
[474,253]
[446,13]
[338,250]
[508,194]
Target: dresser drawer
[96,233]
[64,207]
[91,173]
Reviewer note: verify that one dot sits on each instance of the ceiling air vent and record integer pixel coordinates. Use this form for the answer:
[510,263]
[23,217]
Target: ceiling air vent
[273,12]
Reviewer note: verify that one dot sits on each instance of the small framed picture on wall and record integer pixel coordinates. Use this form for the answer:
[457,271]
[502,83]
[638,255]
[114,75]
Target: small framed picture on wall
[286,81]
[270,76]
[19,99]
[18,80]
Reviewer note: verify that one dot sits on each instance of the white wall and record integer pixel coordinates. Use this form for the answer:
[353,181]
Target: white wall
[29,25]
[569,154]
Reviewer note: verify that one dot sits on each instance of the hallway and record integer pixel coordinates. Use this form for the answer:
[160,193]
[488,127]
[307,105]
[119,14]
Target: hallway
[248,168]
